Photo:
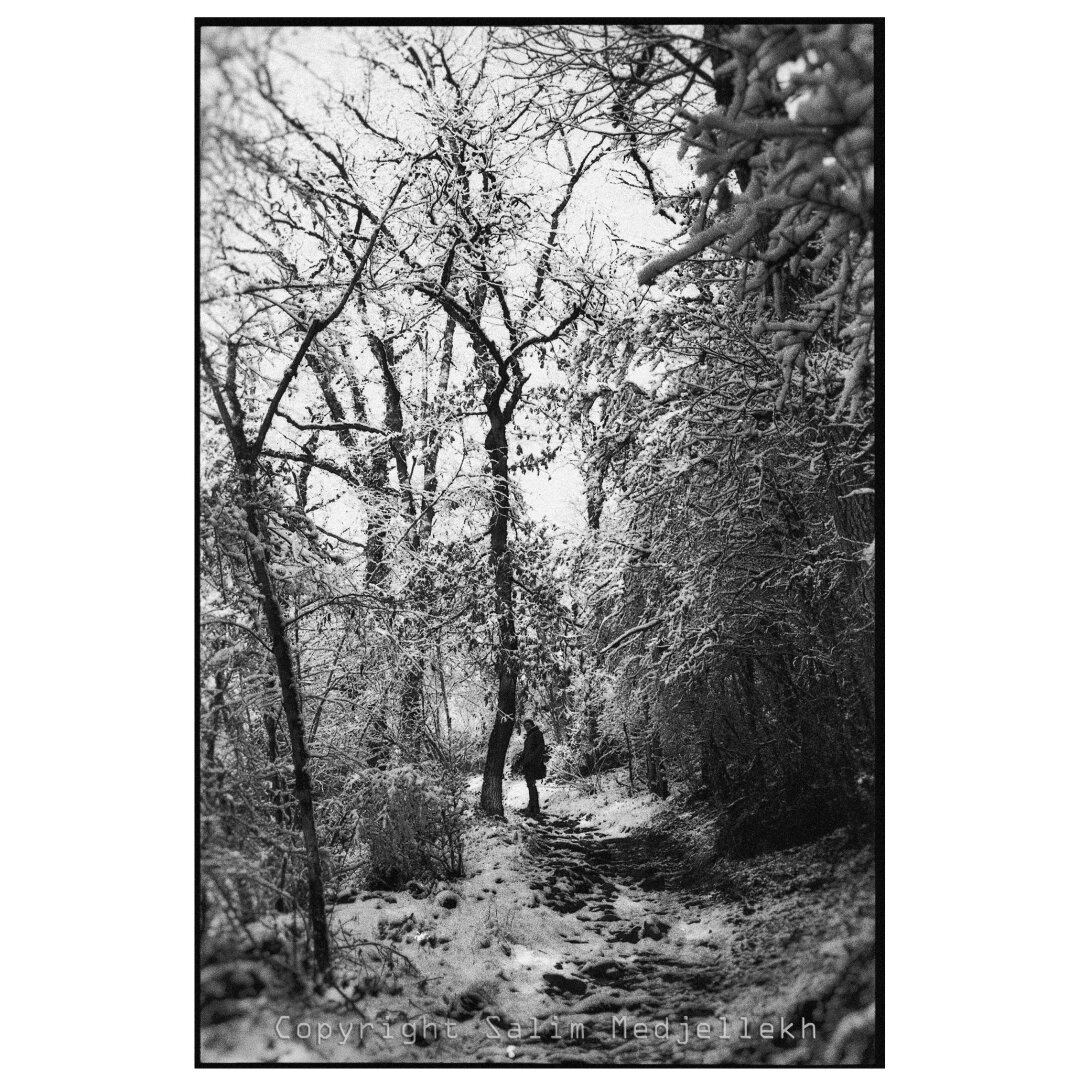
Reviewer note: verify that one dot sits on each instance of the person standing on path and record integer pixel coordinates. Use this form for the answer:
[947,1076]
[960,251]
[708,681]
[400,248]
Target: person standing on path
[532,765]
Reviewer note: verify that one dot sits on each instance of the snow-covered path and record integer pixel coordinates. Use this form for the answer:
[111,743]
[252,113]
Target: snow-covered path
[583,938]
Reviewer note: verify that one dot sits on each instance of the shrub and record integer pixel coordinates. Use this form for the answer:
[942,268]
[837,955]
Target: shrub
[412,824]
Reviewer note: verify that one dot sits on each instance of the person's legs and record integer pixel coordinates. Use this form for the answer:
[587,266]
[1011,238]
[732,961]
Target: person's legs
[534,798]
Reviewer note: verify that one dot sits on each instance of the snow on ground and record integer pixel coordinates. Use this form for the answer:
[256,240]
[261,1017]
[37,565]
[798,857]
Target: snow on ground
[605,802]
[548,928]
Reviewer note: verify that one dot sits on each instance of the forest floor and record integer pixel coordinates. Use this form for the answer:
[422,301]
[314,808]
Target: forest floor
[607,933]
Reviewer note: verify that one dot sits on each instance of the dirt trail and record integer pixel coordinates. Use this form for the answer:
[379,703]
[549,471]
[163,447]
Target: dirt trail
[587,872]
[779,939]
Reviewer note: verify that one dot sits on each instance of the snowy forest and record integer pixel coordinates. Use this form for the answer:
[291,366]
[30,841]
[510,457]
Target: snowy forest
[538,572]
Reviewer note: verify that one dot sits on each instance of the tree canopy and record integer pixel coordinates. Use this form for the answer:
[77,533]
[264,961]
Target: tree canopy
[442,264]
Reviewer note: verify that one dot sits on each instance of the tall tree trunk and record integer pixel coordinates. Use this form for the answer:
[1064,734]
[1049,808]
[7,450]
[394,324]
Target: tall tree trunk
[278,797]
[596,470]
[290,700]
[559,696]
[592,735]
[442,691]
[655,771]
[506,652]
[368,469]
[276,785]
[412,719]
[433,436]
[411,739]
[394,422]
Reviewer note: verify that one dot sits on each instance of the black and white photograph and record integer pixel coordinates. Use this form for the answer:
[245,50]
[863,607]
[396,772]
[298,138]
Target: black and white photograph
[539,543]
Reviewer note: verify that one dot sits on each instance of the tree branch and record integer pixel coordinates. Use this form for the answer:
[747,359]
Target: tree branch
[629,634]
[318,325]
[464,319]
[334,427]
[542,339]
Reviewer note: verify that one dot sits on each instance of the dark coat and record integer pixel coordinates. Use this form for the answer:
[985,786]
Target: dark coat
[532,757]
